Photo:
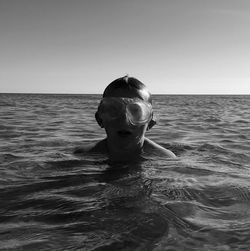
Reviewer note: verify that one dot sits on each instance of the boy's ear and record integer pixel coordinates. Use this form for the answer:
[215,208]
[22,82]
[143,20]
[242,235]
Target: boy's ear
[151,123]
[98,119]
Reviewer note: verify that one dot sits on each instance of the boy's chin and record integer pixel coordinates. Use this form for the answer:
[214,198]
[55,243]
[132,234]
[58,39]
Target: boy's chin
[124,137]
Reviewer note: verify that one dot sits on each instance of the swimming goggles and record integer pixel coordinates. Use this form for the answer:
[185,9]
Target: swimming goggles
[138,112]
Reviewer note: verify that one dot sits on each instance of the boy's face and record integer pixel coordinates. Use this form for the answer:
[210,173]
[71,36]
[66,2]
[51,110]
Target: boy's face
[120,132]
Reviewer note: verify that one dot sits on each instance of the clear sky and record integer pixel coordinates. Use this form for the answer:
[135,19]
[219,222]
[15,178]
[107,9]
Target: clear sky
[79,46]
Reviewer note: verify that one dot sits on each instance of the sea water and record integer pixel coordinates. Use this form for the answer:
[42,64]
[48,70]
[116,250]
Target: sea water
[51,199]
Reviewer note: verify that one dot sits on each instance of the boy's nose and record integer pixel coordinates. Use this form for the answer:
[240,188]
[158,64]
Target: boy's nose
[123,120]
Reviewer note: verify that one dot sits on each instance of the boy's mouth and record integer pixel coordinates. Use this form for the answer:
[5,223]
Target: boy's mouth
[124,133]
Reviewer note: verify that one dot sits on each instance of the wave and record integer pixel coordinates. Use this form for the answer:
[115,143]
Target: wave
[8,157]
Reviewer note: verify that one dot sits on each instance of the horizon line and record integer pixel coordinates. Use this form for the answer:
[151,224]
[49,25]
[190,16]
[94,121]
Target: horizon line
[157,94]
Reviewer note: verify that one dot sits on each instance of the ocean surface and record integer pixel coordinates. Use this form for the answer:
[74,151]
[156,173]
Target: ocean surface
[51,199]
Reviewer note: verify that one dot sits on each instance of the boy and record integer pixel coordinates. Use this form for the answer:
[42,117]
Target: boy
[126,113]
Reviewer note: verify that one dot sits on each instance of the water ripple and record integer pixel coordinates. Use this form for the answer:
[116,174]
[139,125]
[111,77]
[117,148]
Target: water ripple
[53,200]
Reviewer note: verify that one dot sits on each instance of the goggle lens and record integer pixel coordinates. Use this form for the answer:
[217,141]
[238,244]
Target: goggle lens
[138,112]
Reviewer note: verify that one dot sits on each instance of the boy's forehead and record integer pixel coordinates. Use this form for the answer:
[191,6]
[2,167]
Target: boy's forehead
[130,93]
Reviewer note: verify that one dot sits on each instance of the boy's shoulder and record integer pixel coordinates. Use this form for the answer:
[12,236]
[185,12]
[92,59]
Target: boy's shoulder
[151,147]
[99,146]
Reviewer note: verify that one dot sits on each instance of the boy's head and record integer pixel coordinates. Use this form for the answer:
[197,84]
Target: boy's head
[127,87]
[125,110]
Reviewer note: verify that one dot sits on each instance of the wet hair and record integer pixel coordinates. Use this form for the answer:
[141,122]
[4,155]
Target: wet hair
[125,83]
